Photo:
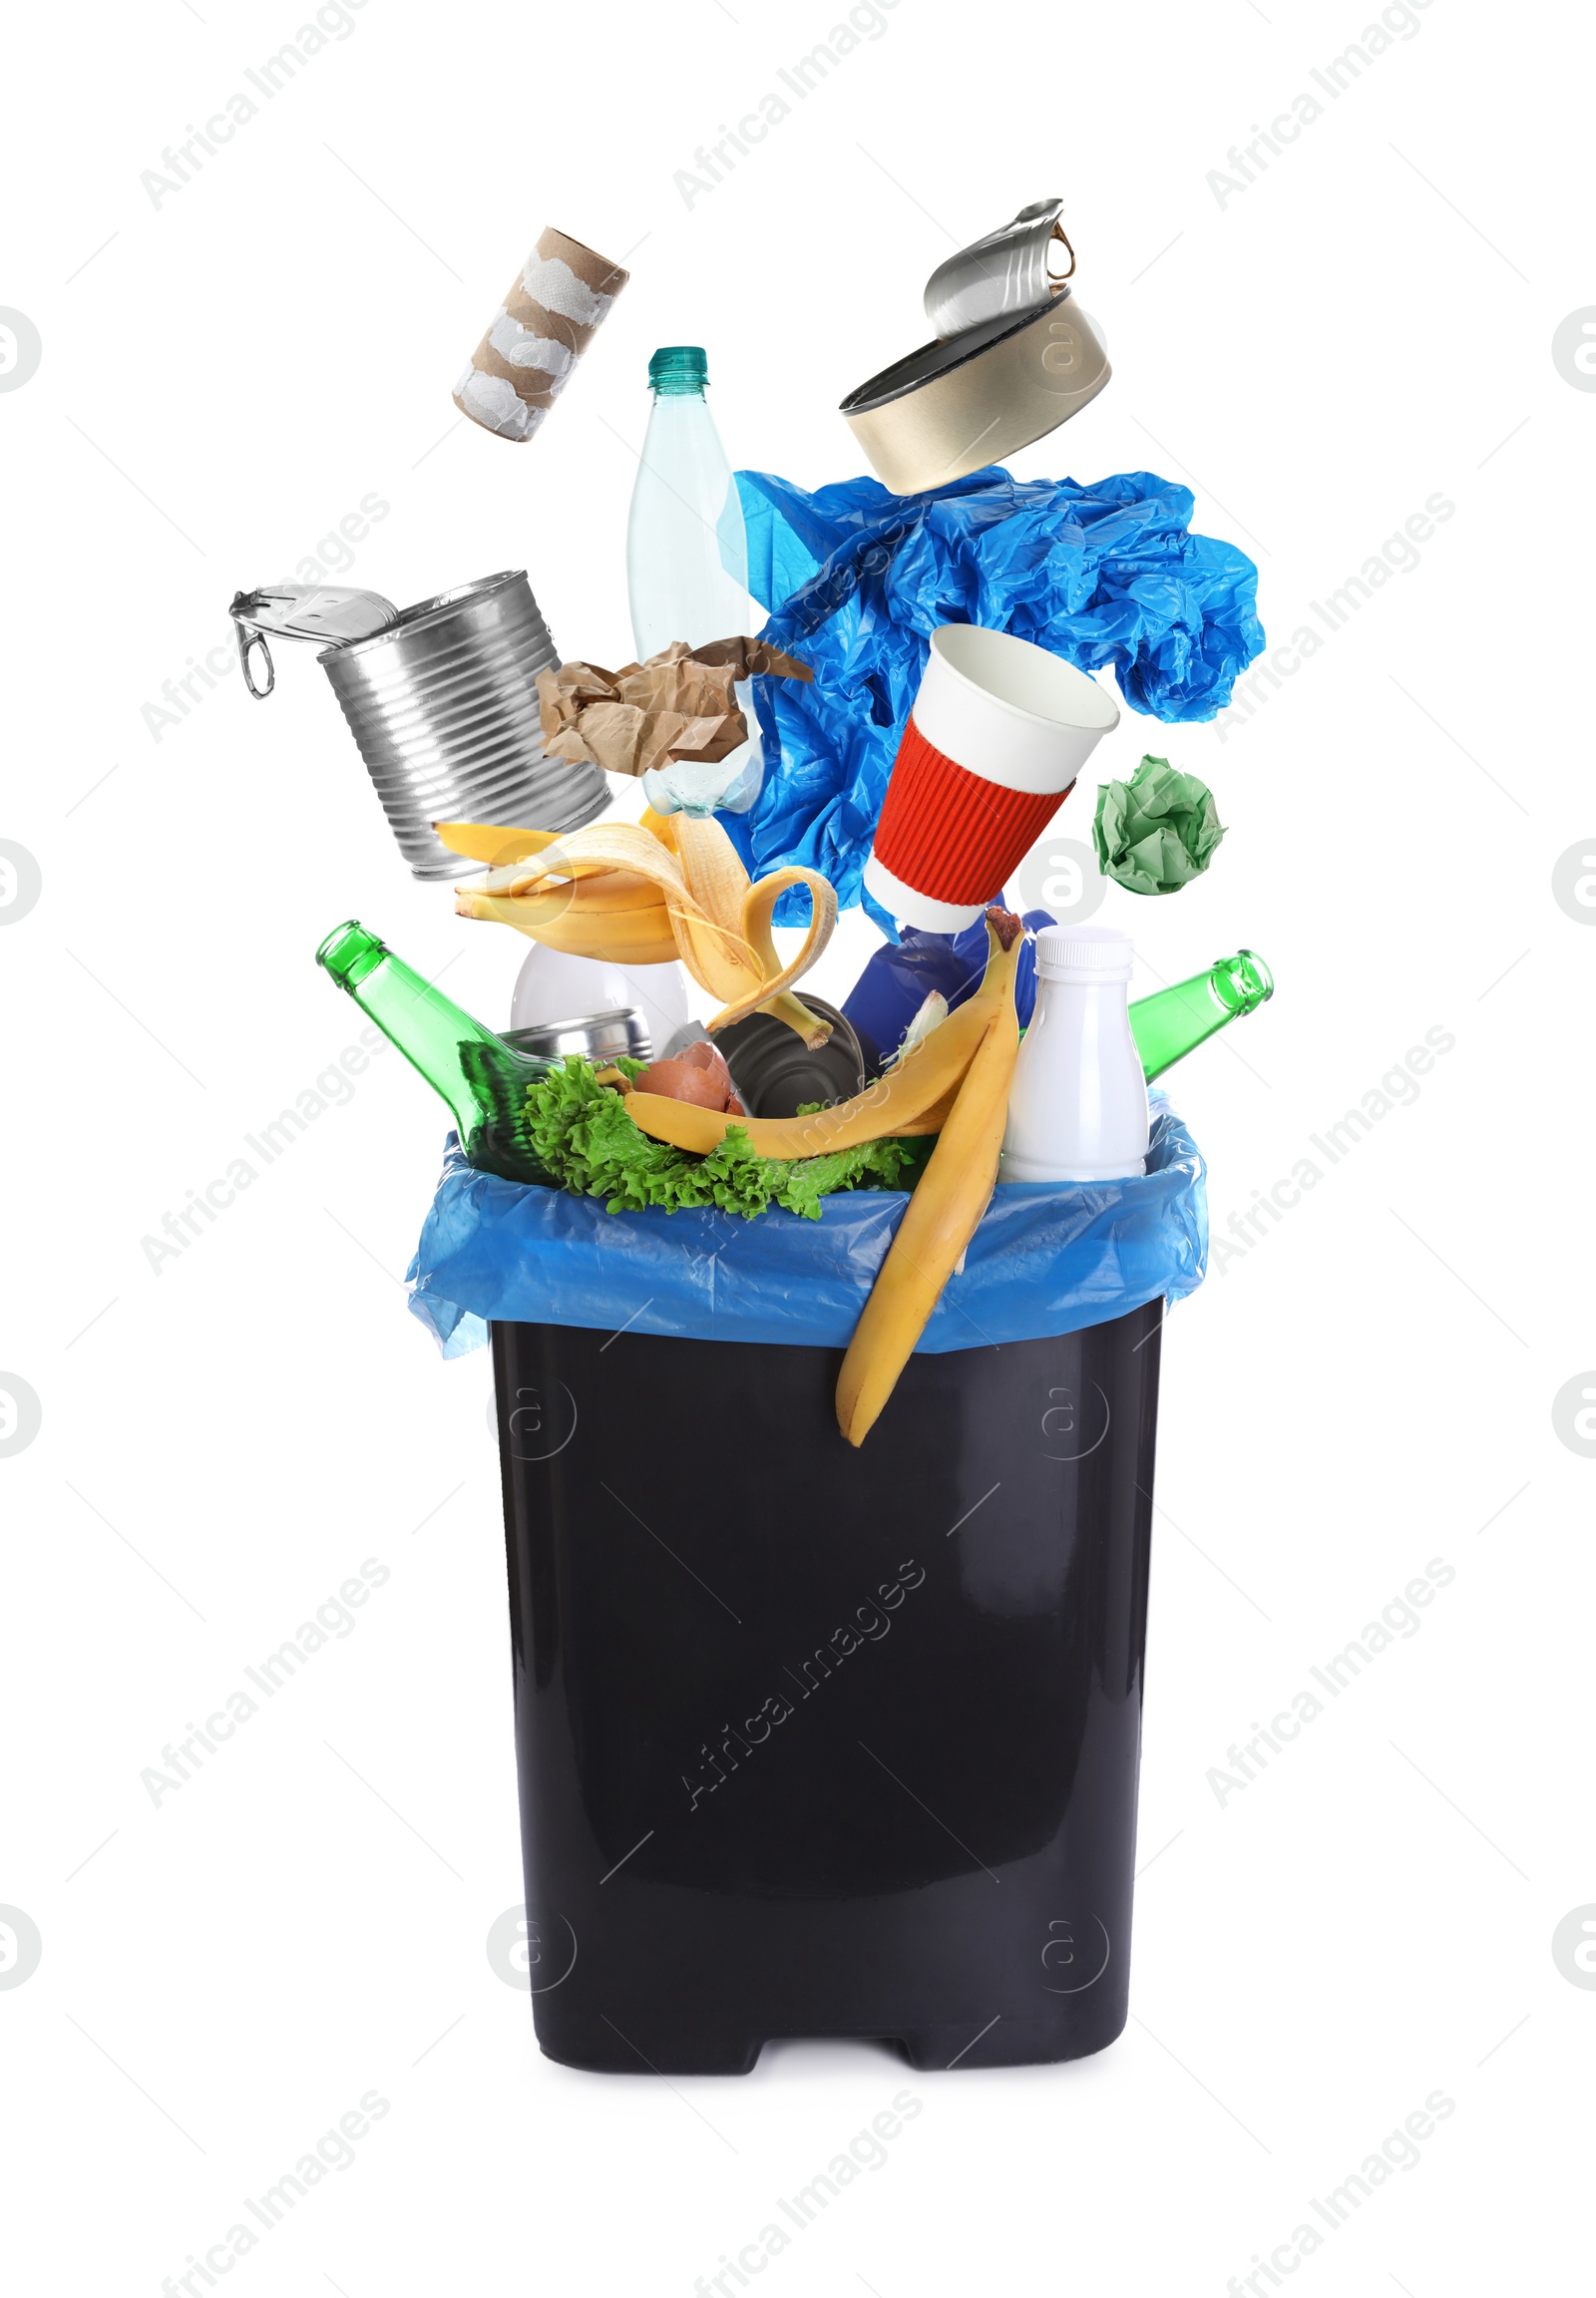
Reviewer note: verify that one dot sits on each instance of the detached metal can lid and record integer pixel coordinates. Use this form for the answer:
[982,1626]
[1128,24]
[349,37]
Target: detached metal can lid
[1010,270]
[322,614]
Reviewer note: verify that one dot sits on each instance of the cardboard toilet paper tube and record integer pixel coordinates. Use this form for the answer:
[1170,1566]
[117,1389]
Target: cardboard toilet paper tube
[549,316]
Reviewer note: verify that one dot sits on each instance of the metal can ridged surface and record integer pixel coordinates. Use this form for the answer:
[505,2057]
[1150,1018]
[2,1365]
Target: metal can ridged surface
[444,708]
[1003,273]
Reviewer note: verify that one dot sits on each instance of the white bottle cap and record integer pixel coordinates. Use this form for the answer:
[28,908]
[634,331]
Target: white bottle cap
[1083,954]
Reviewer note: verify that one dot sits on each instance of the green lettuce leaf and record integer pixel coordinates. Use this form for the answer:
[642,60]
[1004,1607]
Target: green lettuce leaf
[586,1143]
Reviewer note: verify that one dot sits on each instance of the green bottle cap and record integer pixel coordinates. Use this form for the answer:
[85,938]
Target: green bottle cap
[679,369]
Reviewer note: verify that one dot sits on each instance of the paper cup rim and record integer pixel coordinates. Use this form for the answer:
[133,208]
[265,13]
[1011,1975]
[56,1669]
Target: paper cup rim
[1094,711]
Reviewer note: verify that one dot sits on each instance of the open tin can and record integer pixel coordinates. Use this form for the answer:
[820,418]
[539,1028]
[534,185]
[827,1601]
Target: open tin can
[442,700]
[1014,356]
[953,407]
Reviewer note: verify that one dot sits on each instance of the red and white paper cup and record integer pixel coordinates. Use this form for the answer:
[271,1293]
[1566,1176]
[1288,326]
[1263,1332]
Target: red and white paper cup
[999,731]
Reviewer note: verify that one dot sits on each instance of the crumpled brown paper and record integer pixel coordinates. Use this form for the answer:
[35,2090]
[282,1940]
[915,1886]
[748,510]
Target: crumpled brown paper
[676,706]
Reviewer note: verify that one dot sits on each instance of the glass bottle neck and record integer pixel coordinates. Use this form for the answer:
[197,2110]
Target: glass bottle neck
[1243,982]
[430,1029]
[1174,1021]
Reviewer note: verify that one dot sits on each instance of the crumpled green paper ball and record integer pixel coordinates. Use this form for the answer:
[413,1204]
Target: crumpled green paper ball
[1156,831]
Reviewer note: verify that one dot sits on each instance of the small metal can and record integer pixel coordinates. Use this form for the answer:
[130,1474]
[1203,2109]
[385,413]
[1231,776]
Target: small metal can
[598,1038]
[951,408]
[776,1074]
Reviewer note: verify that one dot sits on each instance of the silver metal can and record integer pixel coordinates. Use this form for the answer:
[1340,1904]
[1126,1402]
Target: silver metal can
[444,708]
[442,700]
[598,1038]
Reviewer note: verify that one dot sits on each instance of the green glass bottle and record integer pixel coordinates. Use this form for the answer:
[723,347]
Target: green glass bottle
[1167,1026]
[483,1079]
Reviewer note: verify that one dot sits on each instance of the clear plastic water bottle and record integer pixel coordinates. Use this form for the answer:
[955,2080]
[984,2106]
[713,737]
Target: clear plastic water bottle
[687,564]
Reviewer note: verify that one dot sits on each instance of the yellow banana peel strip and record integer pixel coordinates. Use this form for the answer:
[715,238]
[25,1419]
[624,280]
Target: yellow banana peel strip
[908,1099]
[629,928]
[946,1208]
[758,906]
[497,847]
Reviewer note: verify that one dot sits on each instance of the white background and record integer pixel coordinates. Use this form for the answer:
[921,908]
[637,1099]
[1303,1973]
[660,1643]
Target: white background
[1367,1386]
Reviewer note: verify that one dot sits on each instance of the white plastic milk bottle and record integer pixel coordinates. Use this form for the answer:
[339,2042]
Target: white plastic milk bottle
[1077,1109]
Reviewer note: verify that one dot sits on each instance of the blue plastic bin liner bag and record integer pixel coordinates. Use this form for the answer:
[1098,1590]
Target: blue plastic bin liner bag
[855,580]
[1045,1259]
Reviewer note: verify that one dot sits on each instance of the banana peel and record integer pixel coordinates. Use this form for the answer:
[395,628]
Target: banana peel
[946,1208]
[911,1098]
[677,889]
[619,918]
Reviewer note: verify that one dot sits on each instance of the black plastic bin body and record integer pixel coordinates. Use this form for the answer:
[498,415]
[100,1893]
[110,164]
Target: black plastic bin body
[816,1741]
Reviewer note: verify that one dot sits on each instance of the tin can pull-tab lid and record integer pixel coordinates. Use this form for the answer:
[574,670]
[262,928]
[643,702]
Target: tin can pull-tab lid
[1010,270]
[322,614]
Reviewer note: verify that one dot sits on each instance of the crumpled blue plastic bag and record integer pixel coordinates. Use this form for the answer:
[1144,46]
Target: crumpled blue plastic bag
[1044,1260]
[855,580]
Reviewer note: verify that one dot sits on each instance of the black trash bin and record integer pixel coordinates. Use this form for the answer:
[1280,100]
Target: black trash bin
[816,1741]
